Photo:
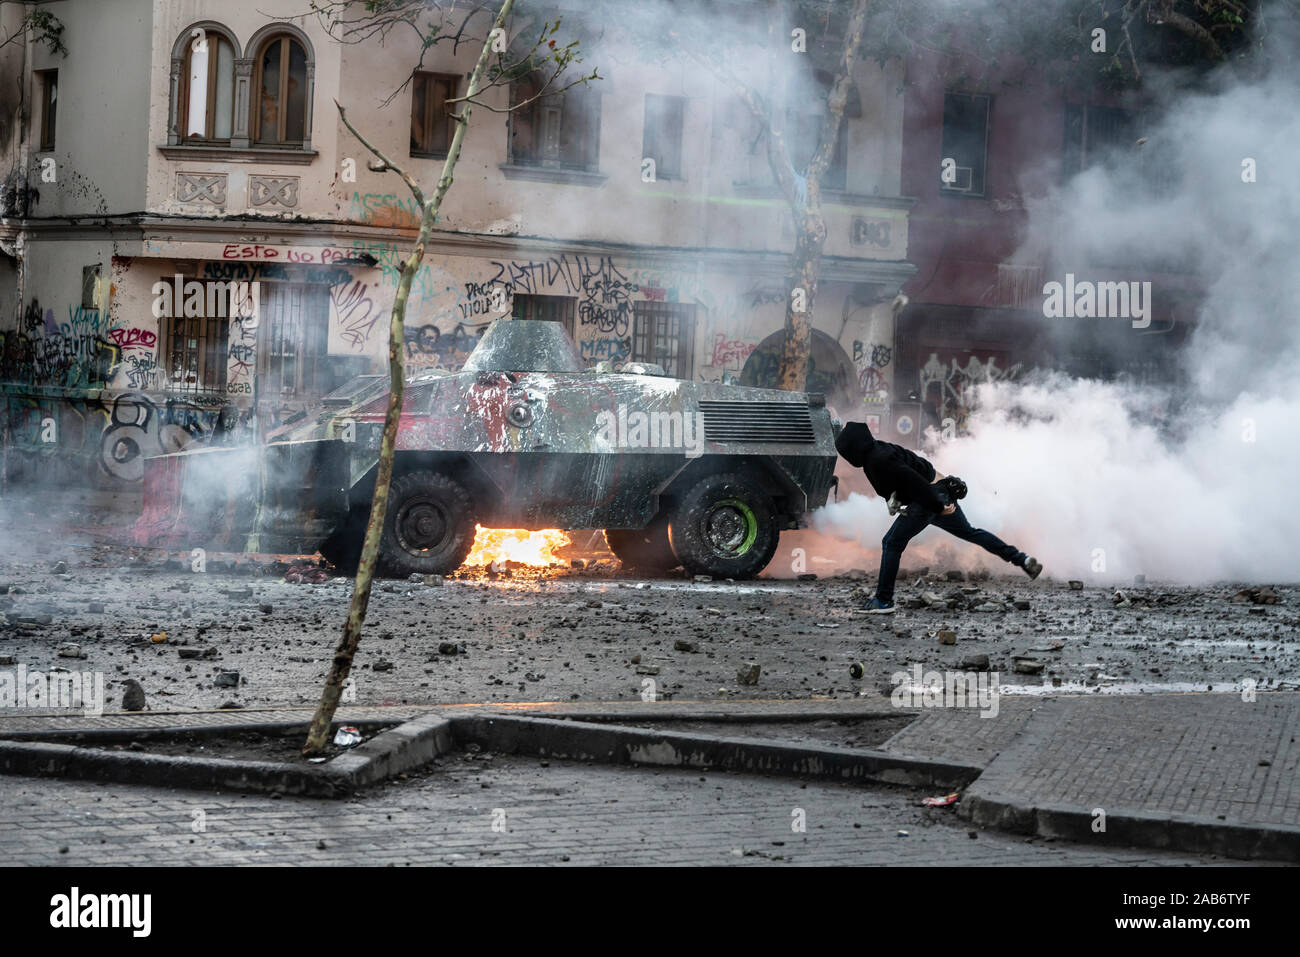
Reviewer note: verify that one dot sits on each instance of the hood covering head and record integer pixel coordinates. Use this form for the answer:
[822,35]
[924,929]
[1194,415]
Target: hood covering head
[855,443]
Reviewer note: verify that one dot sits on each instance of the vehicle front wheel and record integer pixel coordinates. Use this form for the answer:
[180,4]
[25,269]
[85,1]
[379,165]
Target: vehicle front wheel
[643,548]
[429,525]
[725,527]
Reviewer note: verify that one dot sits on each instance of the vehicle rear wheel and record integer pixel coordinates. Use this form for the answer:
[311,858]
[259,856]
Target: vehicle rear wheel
[644,548]
[724,526]
[429,525]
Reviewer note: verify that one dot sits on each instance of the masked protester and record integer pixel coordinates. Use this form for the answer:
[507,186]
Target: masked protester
[920,496]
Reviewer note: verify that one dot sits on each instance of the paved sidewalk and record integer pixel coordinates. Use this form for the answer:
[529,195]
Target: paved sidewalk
[1210,762]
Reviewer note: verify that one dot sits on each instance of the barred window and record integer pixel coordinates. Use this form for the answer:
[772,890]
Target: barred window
[664,333]
[295,328]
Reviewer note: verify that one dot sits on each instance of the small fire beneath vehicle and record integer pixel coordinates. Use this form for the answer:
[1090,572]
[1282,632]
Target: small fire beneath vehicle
[534,548]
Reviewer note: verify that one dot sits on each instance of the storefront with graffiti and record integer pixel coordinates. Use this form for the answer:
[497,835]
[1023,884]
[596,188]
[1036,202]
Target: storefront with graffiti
[187,343]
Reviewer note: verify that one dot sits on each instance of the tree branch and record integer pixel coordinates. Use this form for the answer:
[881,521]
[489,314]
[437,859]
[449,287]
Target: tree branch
[410,180]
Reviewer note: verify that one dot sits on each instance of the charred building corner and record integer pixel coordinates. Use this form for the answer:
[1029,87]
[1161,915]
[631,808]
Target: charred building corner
[144,160]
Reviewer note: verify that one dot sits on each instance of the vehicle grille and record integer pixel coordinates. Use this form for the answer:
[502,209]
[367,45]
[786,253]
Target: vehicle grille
[728,421]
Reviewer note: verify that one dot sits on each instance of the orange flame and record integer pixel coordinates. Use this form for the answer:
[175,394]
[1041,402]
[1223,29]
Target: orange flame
[517,545]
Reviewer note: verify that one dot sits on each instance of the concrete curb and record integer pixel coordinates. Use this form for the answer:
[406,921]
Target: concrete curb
[618,744]
[419,741]
[1195,835]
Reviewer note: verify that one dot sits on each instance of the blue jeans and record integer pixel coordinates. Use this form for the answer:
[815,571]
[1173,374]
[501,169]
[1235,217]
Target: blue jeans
[914,521]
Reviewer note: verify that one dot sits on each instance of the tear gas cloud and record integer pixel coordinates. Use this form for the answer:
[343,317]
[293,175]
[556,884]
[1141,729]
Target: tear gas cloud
[1101,480]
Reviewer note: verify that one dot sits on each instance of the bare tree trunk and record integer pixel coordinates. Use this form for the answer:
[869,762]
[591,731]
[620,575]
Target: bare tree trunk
[806,208]
[318,736]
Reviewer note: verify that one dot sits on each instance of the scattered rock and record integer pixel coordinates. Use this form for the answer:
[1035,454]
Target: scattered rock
[1028,666]
[433,580]
[808,577]
[647,669]
[158,638]
[1020,604]
[227,679]
[1259,596]
[947,637]
[1076,585]
[989,606]
[681,644]
[747,674]
[975,663]
[8,660]
[382,665]
[190,652]
[448,648]
[230,706]
[133,695]
[265,608]
[60,568]
[71,650]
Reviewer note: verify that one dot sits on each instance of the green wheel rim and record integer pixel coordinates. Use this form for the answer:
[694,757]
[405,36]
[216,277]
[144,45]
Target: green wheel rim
[749,519]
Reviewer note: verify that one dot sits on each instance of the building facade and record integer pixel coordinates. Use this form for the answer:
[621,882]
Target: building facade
[184,145]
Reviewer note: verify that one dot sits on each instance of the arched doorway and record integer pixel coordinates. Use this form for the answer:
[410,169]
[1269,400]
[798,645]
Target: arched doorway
[830,371]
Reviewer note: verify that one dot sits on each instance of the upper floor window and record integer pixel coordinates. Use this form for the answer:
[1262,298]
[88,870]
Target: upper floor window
[49,93]
[280,93]
[965,143]
[431,122]
[661,139]
[560,130]
[208,93]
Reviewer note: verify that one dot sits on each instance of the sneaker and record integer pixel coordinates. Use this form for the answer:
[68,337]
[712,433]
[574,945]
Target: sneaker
[1032,567]
[878,607]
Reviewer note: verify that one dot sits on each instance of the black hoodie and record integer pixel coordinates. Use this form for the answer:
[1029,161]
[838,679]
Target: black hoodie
[891,469]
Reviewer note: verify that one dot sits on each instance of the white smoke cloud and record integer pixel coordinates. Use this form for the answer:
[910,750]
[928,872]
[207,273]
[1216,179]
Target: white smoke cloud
[1188,485]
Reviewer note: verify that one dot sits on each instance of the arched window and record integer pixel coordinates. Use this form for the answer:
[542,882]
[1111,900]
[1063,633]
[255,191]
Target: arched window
[280,93]
[208,90]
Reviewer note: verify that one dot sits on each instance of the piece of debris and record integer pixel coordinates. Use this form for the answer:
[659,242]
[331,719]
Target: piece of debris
[681,644]
[808,577]
[1028,666]
[1121,600]
[346,737]
[245,592]
[647,669]
[947,637]
[300,575]
[1259,596]
[945,801]
[747,674]
[132,695]
[703,578]
[8,660]
[190,652]
[1020,604]
[158,638]
[448,648]
[71,650]
[975,663]
[60,568]
[266,608]
[433,580]
[1076,585]
[989,606]
[227,679]
[382,665]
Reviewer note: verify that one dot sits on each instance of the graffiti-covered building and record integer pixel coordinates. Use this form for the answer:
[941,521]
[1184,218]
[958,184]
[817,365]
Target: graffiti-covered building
[181,156]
